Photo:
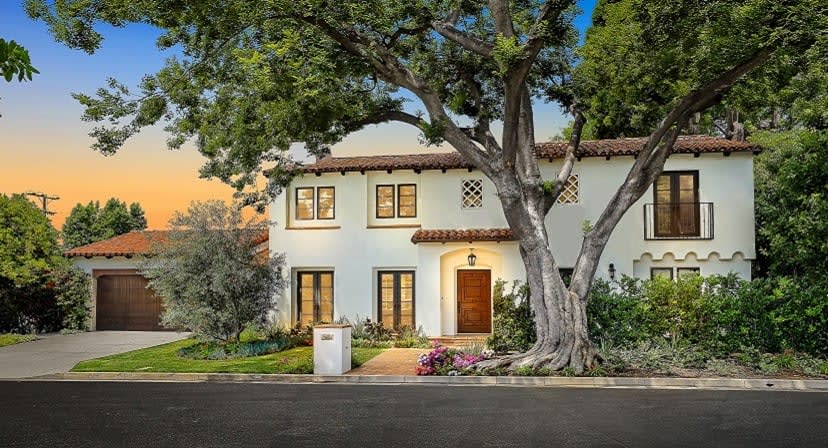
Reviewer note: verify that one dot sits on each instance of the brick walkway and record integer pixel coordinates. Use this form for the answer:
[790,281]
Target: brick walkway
[394,361]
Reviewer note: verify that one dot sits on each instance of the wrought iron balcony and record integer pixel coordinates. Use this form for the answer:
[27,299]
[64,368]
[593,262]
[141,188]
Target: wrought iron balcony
[678,221]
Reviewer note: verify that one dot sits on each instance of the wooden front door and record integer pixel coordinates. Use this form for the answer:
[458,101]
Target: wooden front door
[474,301]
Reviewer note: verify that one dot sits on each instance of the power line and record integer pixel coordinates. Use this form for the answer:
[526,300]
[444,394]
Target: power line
[44,200]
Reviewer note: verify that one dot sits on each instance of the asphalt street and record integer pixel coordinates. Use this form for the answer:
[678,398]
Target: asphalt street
[135,414]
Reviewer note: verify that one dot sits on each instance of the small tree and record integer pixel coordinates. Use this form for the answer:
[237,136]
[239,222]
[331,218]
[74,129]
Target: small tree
[210,275]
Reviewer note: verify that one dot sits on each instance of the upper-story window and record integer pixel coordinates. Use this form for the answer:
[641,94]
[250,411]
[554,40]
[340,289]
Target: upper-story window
[570,193]
[471,193]
[315,203]
[677,204]
[397,201]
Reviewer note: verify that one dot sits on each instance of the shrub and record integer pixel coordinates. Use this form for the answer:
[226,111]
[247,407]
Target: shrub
[719,314]
[73,297]
[513,325]
[446,361]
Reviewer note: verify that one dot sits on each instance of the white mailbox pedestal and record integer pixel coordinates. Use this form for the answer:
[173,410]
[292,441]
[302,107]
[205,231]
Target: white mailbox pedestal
[331,349]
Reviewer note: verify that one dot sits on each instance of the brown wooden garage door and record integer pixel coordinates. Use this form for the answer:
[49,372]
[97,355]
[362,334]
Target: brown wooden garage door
[125,303]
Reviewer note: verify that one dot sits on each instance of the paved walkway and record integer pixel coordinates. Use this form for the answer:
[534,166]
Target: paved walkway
[55,353]
[394,361]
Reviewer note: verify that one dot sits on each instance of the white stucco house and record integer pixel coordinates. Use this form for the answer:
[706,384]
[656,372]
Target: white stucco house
[389,237]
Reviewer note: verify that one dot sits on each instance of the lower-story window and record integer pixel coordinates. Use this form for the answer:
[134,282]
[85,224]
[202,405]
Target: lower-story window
[396,298]
[314,296]
[668,272]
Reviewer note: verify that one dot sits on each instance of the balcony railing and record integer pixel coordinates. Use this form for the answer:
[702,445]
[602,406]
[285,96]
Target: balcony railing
[678,221]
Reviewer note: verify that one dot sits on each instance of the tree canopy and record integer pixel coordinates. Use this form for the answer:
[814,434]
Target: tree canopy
[792,203]
[28,243]
[89,223]
[641,56]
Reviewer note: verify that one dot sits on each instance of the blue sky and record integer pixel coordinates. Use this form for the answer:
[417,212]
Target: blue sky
[44,144]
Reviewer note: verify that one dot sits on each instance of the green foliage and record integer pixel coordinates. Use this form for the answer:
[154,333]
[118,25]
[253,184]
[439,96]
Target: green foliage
[791,182]
[13,338]
[28,242]
[29,308]
[72,287]
[15,61]
[367,333]
[89,223]
[641,56]
[513,324]
[256,77]
[719,314]
[209,274]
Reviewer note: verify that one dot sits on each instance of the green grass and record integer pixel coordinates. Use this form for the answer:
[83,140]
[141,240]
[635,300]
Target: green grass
[12,338]
[164,358]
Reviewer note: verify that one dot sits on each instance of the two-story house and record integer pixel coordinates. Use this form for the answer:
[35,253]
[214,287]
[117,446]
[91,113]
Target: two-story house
[419,239]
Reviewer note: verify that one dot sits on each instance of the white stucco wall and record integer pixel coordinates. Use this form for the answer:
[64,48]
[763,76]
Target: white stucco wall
[356,244]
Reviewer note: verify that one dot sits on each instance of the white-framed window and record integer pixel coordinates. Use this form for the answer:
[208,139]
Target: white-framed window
[471,193]
[570,193]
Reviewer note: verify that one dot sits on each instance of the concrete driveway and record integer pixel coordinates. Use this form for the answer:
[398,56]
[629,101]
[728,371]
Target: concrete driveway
[55,353]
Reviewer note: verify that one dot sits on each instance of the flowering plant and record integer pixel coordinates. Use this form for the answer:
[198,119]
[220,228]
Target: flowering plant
[446,361]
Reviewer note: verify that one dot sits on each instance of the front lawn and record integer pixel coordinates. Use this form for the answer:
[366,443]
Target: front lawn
[13,338]
[164,358]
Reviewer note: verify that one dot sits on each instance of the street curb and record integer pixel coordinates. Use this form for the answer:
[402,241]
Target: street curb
[512,381]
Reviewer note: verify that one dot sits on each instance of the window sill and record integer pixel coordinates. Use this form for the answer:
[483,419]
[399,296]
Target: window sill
[394,226]
[312,228]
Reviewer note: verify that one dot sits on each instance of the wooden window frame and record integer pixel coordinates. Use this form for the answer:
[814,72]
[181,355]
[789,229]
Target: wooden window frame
[397,297]
[675,208]
[333,207]
[393,201]
[317,295]
[296,204]
[399,215]
[652,272]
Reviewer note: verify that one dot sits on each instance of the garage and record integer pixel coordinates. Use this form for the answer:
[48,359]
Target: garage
[124,302]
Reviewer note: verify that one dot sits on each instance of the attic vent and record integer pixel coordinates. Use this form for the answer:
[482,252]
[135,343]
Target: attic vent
[472,193]
[569,195]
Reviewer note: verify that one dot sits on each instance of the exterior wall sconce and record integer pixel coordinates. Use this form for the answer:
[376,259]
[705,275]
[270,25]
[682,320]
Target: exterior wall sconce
[472,257]
[612,271]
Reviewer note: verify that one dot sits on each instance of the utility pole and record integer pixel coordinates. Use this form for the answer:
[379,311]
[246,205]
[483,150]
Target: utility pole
[44,200]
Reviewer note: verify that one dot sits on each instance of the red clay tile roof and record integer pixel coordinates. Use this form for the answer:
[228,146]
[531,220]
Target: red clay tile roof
[461,235]
[129,244]
[690,144]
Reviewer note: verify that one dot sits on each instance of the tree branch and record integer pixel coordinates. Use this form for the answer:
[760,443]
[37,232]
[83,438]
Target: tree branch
[569,161]
[391,115]
[502,17]
[465,40]
[551,10]
[391,69]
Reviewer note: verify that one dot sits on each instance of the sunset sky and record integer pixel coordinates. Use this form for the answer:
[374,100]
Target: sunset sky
[44,145]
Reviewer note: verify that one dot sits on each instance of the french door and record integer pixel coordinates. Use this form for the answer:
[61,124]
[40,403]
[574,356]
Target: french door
[396,298]
[314,296]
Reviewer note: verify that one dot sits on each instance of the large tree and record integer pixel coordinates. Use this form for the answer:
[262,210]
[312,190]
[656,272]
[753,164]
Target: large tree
[91,222]
[255,77]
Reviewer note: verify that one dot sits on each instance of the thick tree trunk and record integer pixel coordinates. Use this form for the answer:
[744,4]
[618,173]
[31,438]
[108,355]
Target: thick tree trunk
[560,315]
